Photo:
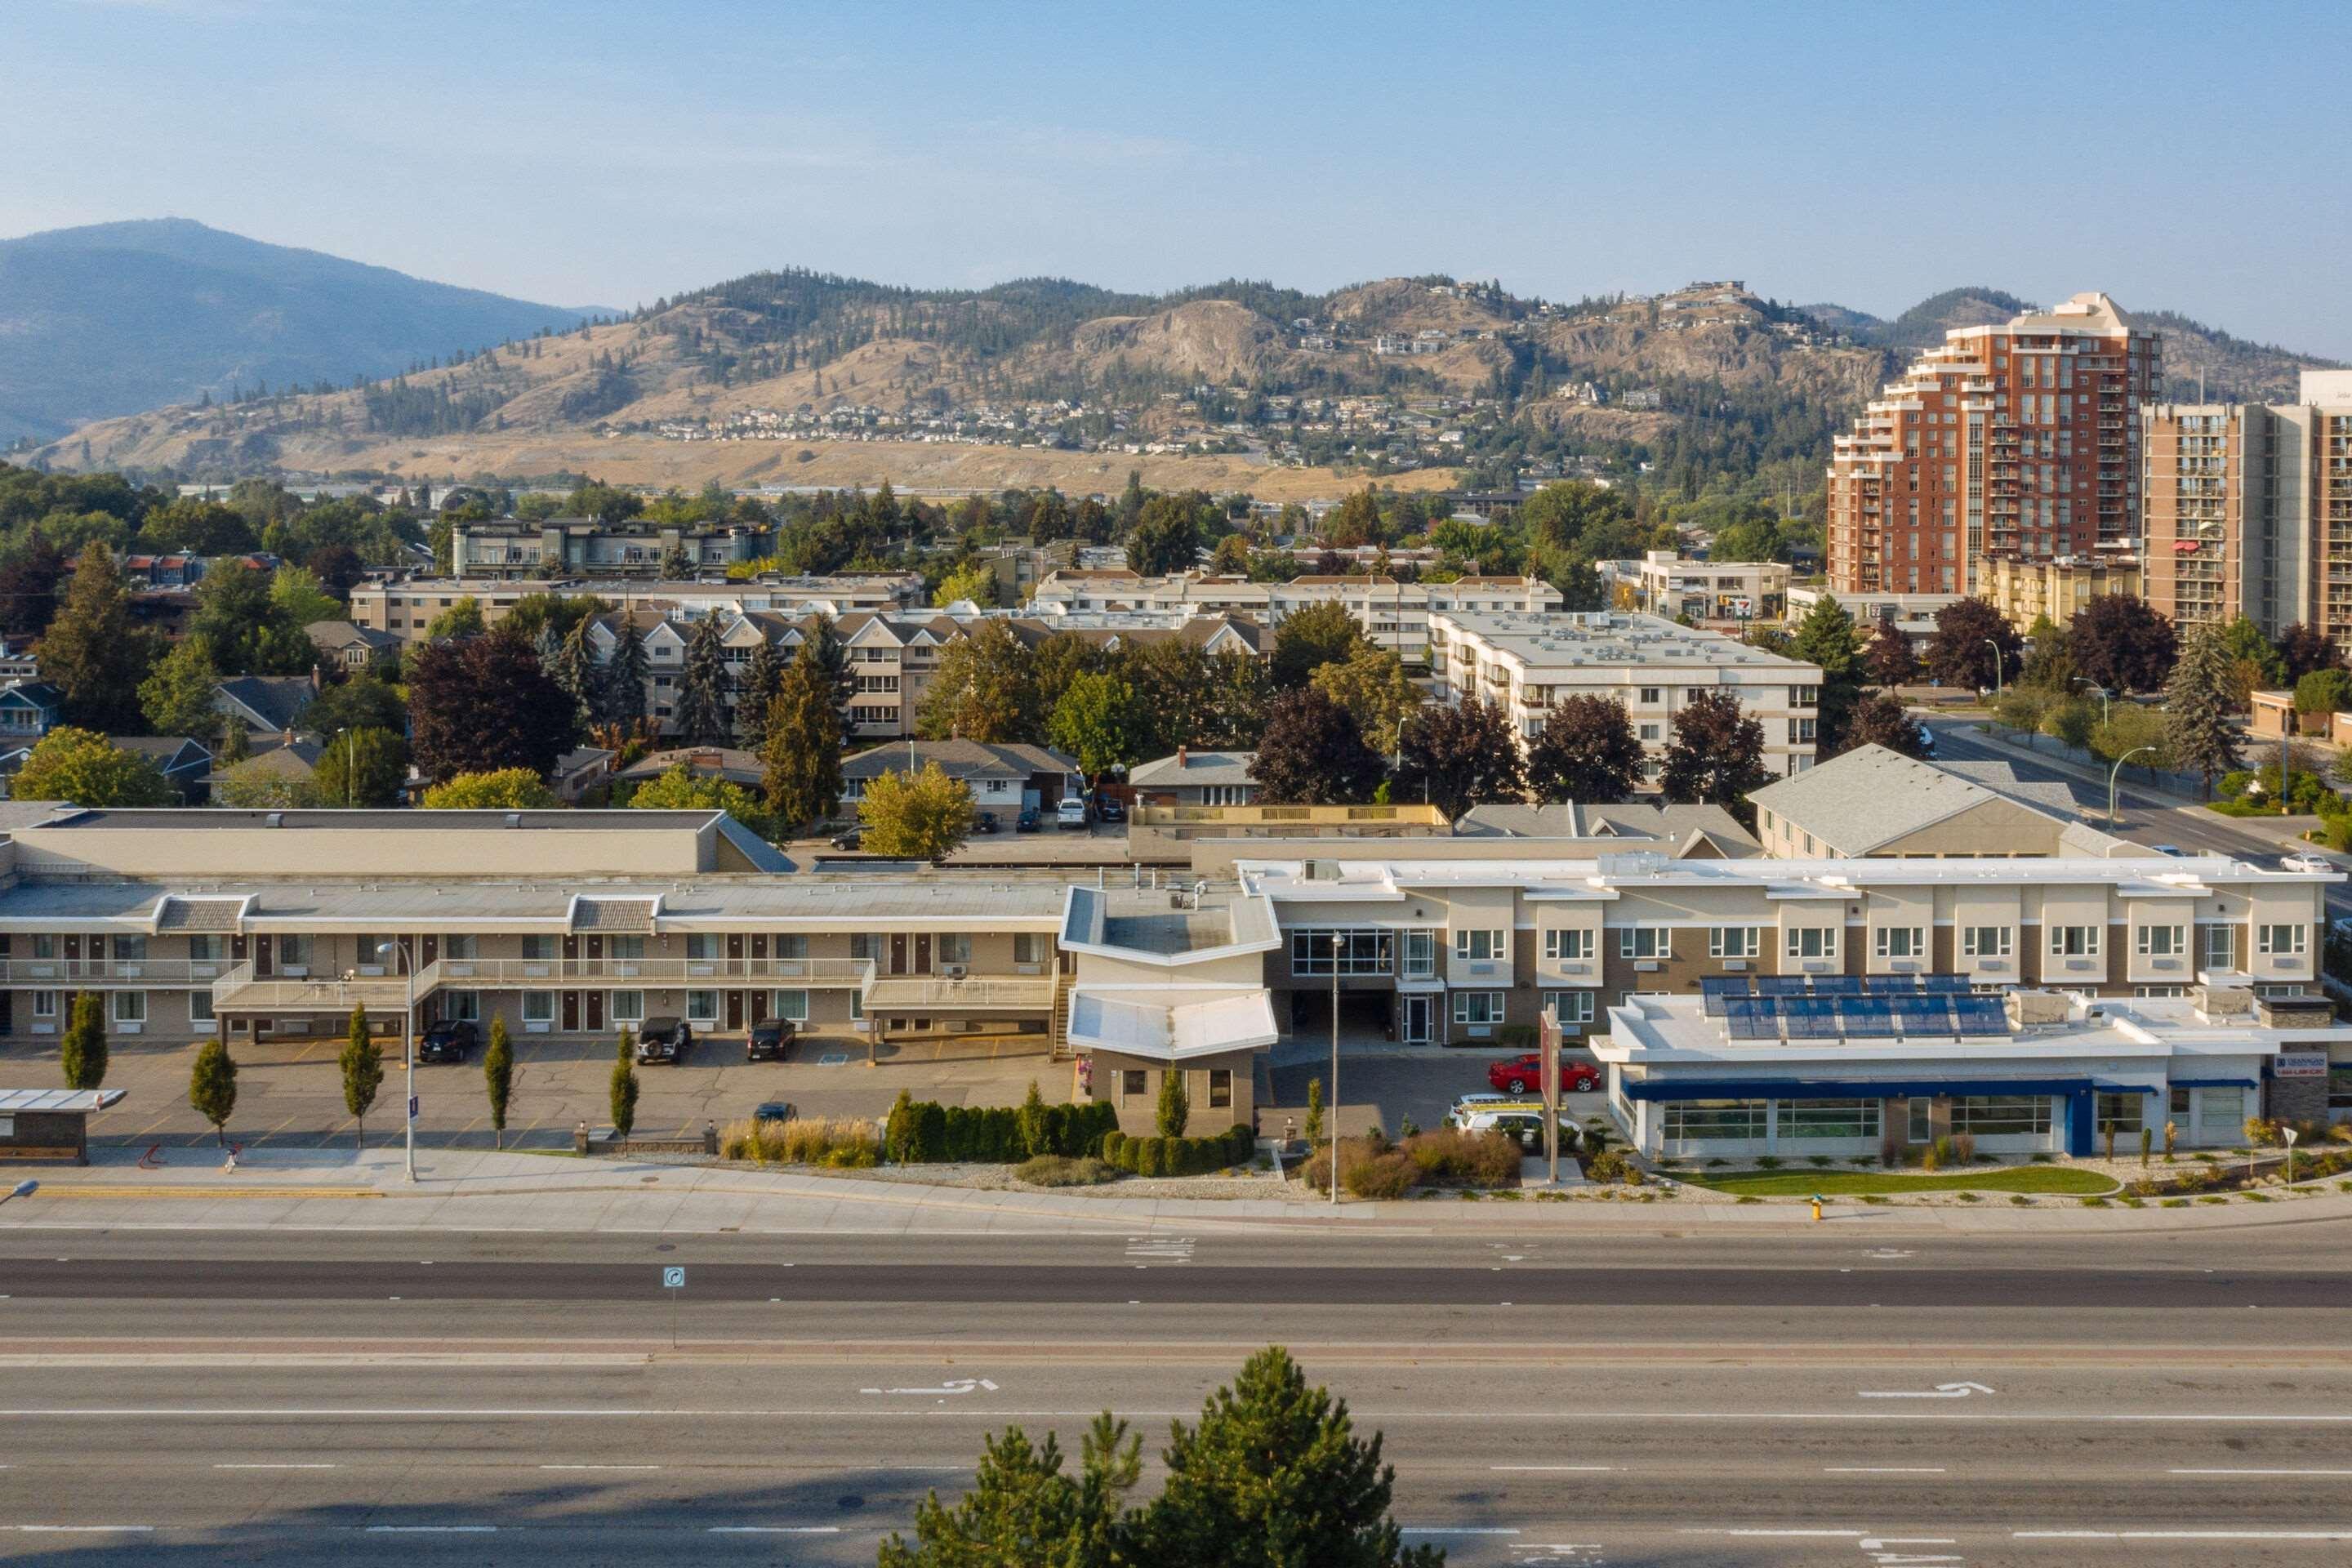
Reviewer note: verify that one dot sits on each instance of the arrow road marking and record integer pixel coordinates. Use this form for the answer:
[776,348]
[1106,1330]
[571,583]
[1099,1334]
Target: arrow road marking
[1941,1391]
[959,1386]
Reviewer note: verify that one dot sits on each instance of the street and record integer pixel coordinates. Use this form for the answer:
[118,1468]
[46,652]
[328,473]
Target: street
[1897,1396]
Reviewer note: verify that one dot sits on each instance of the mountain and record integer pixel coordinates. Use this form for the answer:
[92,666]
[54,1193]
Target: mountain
[2233,369]
[120,317]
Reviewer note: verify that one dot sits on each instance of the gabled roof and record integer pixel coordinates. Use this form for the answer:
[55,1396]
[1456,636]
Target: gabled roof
[959,760]
[703,762]
[267,701]
[31,693]
[169,752]
[1872,795]
[1199,768]
[344,634]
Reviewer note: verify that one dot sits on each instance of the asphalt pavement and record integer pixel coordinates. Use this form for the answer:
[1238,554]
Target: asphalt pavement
[1819,1397]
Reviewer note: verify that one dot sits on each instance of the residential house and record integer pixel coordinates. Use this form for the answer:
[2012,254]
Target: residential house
[723,763]
[28,710]
[1195,778]
[352,647]
[184,762]
[1005,780]
[269,704]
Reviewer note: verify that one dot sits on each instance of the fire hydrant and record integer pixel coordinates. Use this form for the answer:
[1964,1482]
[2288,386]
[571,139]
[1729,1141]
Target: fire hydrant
[1817,1206]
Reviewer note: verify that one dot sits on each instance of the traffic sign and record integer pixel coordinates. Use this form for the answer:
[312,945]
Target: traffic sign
[673,1279]
[412,1103]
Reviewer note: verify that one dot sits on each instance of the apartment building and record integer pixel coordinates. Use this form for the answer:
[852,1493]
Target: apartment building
[586,547]
[2025,590]
[2021,439]
[1394,615]
[1528,662]
[2249,509]
[1913,615]
[406,606]
[1666,583]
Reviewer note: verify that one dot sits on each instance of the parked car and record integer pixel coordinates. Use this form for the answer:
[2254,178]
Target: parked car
[2307,863]
[1927,742]
[982,822]
[447,1041]
[664,1040]
[1523,1125]
[1109,810]
[1524,1075]
[2174,849]
[1071,812]
[774,1111]
[1027,821]
[771,1040]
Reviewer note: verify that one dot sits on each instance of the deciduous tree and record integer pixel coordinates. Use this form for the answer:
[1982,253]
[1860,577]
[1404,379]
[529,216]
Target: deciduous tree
[1311,753]
[982,690]
[212,1086]
[1879,719]
[1586,751]
[1958,654]
[1310,638]
[505,789]
[2121,644]
[680,789]
[296,592]
[922,817]
[361,1062]
[92,653]
[177,695]
[971,581]
[1717,755]
[1095,722]
[484,705]
[2050,665]
[74,764]
[1890,659]
[1371,684]
[362,768]
[2302,648]
[245,630]
[1460,756]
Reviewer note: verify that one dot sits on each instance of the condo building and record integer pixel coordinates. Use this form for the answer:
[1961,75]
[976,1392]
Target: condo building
[2018,440]
[2249,509]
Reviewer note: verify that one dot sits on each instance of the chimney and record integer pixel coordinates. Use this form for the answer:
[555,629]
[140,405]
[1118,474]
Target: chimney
[1182,753]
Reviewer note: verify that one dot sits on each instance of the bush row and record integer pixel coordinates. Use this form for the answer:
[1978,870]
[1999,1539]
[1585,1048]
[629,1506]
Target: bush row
[1179,1156]
[843,1142]
[924,1132]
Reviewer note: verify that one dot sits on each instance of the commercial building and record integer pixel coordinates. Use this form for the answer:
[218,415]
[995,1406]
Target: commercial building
[2021,439]
[2249,509]
[1527,663]
[1666,583]
[1836,1071]
[2026,591]
[1394,615]
[1873,802]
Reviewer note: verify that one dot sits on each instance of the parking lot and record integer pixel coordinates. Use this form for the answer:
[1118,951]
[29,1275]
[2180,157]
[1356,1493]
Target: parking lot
[1388,1090]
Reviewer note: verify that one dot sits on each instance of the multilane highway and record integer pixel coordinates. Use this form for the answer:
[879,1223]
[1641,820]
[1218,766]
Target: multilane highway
[1668,1399]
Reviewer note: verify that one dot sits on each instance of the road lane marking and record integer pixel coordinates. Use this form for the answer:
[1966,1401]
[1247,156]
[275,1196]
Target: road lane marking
[2254,1472]
[524,1413]
[257,1466]
[1883,1469]
[1941,1391]
[1453,1529]
[1551,1468]
[600,1466]
[773,1530]
[79,1529]
[432,1530]
[2180,1534]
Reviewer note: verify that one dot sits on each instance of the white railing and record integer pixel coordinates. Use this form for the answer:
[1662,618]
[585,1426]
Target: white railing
[994,993]
[242,991]
[65,973]
[649,974]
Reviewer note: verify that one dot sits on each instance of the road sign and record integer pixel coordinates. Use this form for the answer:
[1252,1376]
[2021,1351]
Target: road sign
[673,1279]
[412,1103]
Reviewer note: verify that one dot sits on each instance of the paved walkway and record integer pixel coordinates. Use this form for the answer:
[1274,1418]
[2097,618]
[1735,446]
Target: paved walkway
[463,1190]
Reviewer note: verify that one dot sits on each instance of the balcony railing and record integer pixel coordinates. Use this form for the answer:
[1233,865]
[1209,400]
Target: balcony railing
[645,973]
[949,993]
[106,973]
[242,991]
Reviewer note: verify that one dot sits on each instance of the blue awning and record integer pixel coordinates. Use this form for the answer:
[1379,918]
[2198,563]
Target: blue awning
[1862,1088]
[2215,1083]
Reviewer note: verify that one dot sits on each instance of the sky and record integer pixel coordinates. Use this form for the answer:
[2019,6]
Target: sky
[2176,156]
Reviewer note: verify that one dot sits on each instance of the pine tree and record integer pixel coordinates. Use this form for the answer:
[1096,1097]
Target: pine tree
[362,1065]
[212,1086]
[1021,1507]
[1826,636]
[701,712]
[497,1076]
[1175,1107]
[91,653]
[622,691]
[762,678]
[574,669]
[625,1085]
[2197,728]
[800,754]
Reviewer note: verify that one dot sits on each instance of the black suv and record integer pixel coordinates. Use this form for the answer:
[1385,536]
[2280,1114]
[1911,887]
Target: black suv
[447,1041]
[664,1040]
[770,1041]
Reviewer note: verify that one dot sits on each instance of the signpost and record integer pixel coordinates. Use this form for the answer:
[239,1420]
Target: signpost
[673,1281]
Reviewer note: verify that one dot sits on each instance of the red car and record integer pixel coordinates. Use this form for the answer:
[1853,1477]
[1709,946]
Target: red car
[1524,1075]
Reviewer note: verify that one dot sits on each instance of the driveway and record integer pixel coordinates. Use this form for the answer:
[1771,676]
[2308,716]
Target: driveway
[1387,1088]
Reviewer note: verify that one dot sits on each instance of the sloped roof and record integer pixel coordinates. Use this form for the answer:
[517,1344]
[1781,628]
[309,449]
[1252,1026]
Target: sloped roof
[1872,795]
[1200,768]
[959,760]
[272,701]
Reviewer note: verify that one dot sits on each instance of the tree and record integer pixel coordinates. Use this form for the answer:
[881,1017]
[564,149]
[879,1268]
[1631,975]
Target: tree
[2129,728]
[1587,751]
[244,630]
[265,783]
[361,703]
[1310,638]
[923,818]
[497,1076]
[1372,686]
[73,765]
[680,789]
[1167,535]
[2327,691]
[1568,513]
[28,587]
[91,653]
[2051,665]
[1021,1508]
[1175,1107]
[674,566]
[799,757]
[762,679]
[1879,720]
[982,690]
[504,789]
[362,1065]
[2121,644]
[621,692]
[1094,722]
[1717,755]
[2242,639]
[299,596]
[212,1086]
[1890,659]
[361,769]
[822,645]
[701,712]
[462,619]
[973,581]
[1460,756]
[624,1093]
[484,705]
[234,743]
[81,1049]
[1827,637]
[1273,1476]
[2197,728]
[1749,539]
[2301,650]
[177,695]
[1311,753]
[2023,708]
[575,672]
[1958,654]
[2069,720]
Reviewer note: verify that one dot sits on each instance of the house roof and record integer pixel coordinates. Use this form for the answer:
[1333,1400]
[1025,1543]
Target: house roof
[343,633]
[704,762]
[40,693]
[167,751]
[959,760]
[1687,827]
[269,701]
[294,760]
[1872,795]
[1198,768]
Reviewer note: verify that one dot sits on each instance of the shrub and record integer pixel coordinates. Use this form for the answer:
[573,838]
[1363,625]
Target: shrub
[924,1131]
[842,1143]
[1061,1171]
[1517,1037]
[2262,1132]
[1612,1165]
[1946,1152]
[1964,1147]
[1768,1162]
[1481,1159]
[1387,1176]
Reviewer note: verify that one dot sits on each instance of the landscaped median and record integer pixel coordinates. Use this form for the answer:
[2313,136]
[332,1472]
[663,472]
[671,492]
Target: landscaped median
[2041,1179]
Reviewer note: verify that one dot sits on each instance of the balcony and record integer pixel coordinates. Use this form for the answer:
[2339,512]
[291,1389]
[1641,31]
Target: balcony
[241,991]
[957,995]
[108,975]
[643,973]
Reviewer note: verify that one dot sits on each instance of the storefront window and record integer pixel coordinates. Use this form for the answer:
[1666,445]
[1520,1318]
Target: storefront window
[1829,1119]
[1689,1118]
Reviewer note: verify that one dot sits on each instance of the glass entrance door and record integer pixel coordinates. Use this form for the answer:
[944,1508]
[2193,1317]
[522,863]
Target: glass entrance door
[1419,1016]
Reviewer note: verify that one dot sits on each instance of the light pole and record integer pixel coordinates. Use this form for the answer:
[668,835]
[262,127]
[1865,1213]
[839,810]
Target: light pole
[1339,943]
[1997,661]
[2288,1133]
[2114,772]
[407,1042]
[2086,680]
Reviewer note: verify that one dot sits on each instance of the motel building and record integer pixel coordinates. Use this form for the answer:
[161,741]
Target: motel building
[1844,1066]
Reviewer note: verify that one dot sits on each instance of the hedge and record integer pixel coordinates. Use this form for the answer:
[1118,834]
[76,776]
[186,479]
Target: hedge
[924,1132]
[1179,1156]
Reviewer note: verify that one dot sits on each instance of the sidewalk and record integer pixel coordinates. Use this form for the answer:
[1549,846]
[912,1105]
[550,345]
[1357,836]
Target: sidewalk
[464,1190]
[2286,831]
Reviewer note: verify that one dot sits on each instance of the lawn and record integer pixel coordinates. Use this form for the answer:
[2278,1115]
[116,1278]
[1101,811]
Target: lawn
[1857,1184]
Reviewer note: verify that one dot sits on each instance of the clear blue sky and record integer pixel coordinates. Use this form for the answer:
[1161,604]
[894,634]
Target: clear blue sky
[2181,156]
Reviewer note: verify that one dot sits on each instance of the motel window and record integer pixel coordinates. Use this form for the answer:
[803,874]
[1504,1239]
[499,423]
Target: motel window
[1813,941]
[1645,941]
[294,953]
[1570,1006]
[702,1006]
[1734,941]
[1568,945]
[625,947]
[702,944]
[459,947]
[538,949]
[45,947]
[2163,941]
[539,1006]
[200,1007]
[1032,947]
[865,944]
[1901,942]
[955,947]
[208,950]
[1984,941]
[793,1005]
[130,1007]
[2279,940]
[1478,1007]
[2074,942]
[44,1004]
[465,1005]
[629,1006]
[789,947]
[131,948]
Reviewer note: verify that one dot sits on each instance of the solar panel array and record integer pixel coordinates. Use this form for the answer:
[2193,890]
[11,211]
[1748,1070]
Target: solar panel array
[1837,1008]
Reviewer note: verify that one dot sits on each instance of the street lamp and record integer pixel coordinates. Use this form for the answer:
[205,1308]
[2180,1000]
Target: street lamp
[408,1042]
[1996,665]
[2112,774]
[2086,680]
[1339,943]
[2288,1133]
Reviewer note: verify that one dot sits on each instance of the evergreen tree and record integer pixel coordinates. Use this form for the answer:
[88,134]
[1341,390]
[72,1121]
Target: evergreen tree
[762,679]
[81,1050]
[621,699]
[625,1085]
[2197,728]
[800,756]
[1587,752]
[701,710]
[1175,1107]
[675,567]
[575,670]
[1827,637]
[92,653]
[1021,1510]
[212,1086]
[497,1076]
[362,1065]
[822,645]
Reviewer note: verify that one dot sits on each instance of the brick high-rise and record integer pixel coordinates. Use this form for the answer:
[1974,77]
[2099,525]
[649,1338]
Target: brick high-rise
[2019,440]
